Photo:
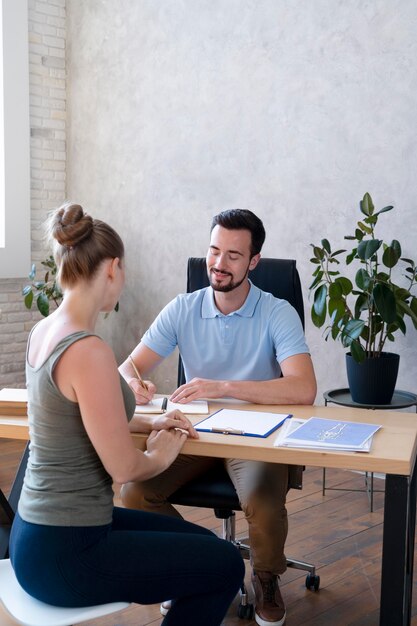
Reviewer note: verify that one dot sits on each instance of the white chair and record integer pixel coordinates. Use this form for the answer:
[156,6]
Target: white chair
[27,611]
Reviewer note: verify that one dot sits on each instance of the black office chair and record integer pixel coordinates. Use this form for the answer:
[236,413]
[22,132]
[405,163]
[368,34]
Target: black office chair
[215,489]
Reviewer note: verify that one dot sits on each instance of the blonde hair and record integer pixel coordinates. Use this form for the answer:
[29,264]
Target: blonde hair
[80,243]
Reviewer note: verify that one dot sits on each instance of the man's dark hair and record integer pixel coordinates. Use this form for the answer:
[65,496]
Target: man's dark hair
[238,219]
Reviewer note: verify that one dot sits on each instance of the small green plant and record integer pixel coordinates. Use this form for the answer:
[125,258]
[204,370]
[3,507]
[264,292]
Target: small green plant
[46,290]
[364,315]
[43,291]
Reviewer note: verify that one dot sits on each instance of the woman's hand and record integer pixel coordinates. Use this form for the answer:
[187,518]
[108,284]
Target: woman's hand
[164,446]
[174,419]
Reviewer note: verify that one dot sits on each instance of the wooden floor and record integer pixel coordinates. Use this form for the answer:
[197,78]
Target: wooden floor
[336,532]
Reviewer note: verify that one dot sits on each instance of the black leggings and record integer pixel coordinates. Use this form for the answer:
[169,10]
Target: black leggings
[140,557]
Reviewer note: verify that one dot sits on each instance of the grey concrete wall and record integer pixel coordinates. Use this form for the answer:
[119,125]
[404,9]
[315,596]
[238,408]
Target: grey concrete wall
[292,109]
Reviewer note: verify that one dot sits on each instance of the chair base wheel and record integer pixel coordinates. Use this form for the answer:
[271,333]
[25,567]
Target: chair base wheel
[313,582]
[245,611]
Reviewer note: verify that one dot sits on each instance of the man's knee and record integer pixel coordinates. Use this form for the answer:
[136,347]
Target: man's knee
[132,496]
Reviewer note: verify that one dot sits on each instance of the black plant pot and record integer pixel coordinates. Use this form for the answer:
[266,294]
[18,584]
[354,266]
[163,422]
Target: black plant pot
[373,381]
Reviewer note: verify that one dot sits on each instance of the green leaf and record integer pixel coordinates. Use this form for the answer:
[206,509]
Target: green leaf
[364,228]
[367,248]
[337,252]
[326,245]
[316,281]
[336,309]
[411,311]
[361,304]
[385,209]
[371,219]
[362,279]
[351,256]
[26,290]
[32,272]
[392,254]
[353,328]
[345,284]
[28,299]
[318,253]
[43,304]
[335,331]
[357,352]
[319,305]
[385,302]
[318,320]
[366,205]
[335,291]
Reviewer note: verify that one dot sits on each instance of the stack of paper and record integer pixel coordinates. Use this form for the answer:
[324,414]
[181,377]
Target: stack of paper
[196,407]
[13,401]
[327,434]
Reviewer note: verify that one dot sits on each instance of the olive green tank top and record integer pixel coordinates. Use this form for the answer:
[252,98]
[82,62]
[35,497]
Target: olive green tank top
[65,482]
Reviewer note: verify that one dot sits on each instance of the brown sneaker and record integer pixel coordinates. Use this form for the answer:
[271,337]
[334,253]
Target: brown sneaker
[269,605]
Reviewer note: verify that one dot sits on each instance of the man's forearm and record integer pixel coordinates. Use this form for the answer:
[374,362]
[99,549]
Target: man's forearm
[286,390]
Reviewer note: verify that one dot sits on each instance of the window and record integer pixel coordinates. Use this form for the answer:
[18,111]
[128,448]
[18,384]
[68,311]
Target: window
[14,141]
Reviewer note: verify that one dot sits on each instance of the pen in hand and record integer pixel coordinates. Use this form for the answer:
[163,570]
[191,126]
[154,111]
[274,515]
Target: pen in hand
[138,376]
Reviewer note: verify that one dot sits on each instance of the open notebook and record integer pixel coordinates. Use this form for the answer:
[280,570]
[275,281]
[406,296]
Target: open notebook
[197,407]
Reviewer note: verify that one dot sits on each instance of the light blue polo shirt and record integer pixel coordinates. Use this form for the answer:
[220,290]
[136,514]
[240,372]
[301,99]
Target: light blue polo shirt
[247,344]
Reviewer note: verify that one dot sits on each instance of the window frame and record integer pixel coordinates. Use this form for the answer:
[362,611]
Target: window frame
[15,255]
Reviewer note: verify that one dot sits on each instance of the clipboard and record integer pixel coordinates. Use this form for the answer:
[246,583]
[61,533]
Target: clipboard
[244,423]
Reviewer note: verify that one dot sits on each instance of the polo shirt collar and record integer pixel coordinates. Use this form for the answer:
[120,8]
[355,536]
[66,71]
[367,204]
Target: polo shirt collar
[209,308]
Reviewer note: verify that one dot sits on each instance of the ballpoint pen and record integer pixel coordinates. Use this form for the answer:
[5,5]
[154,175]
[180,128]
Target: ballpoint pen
[139,377]
[164,405]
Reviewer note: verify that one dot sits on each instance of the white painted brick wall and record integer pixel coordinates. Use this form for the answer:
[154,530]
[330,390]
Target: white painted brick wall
[47,77]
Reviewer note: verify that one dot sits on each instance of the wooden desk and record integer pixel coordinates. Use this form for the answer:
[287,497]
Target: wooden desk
[393,453]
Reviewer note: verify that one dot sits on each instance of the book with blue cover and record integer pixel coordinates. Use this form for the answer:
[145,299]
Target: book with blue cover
[327,434]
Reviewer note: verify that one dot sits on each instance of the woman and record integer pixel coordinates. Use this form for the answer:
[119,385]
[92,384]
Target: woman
[69,545]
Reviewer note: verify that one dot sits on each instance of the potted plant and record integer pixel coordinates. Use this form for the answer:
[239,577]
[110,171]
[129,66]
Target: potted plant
[43,291]
[365,314]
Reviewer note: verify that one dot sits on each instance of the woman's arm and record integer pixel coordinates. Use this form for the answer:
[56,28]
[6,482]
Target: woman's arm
[87,373]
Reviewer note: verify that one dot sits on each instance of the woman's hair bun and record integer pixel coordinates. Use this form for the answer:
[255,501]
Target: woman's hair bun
[71,225]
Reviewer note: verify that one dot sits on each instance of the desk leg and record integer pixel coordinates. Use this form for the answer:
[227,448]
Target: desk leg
[398,550]
[8,507]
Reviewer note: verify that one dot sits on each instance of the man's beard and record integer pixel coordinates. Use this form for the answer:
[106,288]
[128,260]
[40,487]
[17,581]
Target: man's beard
[230,286]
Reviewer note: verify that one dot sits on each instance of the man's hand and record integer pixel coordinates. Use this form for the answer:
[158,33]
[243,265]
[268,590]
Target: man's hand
[142,395]
[199,388]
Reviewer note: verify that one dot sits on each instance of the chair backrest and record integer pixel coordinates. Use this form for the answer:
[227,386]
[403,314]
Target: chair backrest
[277,276]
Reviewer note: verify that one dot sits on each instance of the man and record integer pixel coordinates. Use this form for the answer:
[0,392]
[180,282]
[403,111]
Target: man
[235,341]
